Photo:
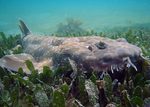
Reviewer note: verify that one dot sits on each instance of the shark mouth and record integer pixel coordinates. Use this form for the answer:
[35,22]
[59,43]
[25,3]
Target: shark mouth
[119,66]
[113,67]
[118,71]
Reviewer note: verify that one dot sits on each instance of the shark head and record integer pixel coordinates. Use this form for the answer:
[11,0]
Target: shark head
[97,53]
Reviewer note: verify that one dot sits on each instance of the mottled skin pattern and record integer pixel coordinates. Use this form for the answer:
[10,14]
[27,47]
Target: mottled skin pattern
[90,53]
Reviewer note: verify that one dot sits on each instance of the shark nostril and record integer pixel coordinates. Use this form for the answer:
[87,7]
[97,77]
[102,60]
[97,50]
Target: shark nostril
[101,45]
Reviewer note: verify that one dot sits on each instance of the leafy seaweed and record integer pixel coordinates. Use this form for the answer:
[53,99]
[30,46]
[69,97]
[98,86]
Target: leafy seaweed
[58,99]
[8,42]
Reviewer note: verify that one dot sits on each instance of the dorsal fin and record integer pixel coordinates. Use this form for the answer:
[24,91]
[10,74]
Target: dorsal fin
[24,29]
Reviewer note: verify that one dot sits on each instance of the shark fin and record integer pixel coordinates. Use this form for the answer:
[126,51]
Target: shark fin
[24,29]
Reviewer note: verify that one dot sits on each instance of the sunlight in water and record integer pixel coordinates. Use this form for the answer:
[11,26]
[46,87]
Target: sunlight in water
[44,16]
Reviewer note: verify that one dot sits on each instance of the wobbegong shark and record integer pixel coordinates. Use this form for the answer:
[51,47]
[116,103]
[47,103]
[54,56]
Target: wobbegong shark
[89,53]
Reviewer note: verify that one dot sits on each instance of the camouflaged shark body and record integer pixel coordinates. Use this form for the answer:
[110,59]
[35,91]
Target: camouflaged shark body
[90,53]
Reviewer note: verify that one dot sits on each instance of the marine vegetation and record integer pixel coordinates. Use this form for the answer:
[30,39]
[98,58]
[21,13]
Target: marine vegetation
[52,89]
[52,77]
[71,28]
[7,44]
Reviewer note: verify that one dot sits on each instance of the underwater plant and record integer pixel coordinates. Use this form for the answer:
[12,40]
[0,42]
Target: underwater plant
[71,28]
[8,42]
[46,89]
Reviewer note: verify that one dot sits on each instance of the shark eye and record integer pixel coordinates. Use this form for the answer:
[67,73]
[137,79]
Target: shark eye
[101,45]
[90,48]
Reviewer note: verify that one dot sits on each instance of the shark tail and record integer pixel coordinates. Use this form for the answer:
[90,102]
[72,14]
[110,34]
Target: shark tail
[24,29]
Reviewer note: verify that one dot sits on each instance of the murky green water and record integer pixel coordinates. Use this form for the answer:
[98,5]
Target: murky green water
[43,16]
